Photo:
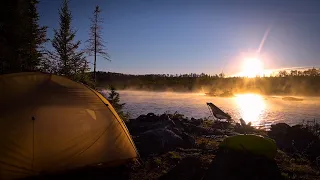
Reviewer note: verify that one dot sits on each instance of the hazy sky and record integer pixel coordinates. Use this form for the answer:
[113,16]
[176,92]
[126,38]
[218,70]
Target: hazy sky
[184,36]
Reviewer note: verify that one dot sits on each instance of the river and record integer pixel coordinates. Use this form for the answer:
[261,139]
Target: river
[257,109]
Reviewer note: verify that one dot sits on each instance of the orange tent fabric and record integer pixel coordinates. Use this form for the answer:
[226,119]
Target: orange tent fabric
[50,123]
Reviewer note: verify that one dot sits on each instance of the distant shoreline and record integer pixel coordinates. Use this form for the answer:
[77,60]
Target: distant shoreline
[235,93]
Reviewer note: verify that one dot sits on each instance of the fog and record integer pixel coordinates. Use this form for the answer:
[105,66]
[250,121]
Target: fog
[255,108]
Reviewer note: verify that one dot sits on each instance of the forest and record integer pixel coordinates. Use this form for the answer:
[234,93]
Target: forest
[25,46]
[289,82]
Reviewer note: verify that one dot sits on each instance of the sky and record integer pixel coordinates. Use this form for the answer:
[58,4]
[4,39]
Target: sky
[195,36]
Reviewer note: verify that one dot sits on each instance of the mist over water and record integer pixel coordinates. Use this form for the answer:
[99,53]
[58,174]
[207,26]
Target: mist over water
[251,107]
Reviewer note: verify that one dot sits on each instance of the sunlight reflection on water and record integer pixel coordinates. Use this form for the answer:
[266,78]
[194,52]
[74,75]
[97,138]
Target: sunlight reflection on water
[251,107]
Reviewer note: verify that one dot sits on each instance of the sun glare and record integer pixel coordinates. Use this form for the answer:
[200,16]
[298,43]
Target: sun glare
[252,68]
[251,106]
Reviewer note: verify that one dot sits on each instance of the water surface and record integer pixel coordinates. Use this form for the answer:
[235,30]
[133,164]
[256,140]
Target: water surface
[251,107]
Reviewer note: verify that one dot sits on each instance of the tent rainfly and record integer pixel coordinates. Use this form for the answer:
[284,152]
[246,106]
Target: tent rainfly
[49,123]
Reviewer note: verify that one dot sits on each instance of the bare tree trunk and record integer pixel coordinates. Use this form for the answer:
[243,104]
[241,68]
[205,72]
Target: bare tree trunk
[95,46]
[95,42]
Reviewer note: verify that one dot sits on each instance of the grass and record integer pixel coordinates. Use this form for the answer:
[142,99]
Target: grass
[174,155]
[157,161]
[207,123]
[296,168]
[206,143]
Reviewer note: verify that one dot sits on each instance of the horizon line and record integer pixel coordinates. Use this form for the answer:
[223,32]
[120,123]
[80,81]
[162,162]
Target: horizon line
[270,71]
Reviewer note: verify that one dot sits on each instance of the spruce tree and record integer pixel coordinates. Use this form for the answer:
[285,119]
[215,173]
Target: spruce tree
[21,36]
[95,43]
[69,60]
[114,100]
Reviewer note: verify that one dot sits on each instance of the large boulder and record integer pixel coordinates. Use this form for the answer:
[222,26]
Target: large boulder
[148,122]
[161,140]
[279,129]
[279,132]
[296,139]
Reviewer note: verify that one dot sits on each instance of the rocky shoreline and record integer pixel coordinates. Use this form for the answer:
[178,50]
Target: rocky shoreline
[174,147]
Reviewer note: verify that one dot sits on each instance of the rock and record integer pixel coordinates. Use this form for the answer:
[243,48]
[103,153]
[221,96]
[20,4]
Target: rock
[176,116]
[157,141]
[279,132]
[189,142]
[150,117]
[141,118]
[235,165]
[196,122]
[244,129]
[178,123]
[164,117]
[221,125]
[193,129]
[296,139]
[151,114]
[170,122]
[176,131]
[197,130]
[280,128]
[148,122]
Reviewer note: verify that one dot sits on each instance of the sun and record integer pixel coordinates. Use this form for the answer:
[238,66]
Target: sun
[252,67]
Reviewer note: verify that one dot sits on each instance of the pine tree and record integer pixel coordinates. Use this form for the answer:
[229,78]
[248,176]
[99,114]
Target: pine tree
[114,99]
[37,36]
[69,60]
[95,44]
[21,36]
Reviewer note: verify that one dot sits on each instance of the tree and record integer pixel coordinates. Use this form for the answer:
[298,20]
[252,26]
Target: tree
[283,73]
[95,44]
[293,73]
[114,99]
[221,75]
[21,36]
[70,62]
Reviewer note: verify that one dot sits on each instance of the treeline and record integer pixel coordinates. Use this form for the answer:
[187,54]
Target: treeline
[25,47]
[291,82]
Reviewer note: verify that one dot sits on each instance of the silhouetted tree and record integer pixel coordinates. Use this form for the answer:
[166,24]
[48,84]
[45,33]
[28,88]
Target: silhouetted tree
[114,99]
[221,75]
[283,73]
[21,36]
[95,43]
[293,73]
[69,60]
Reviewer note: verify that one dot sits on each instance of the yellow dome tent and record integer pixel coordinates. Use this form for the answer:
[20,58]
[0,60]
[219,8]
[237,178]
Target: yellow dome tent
[49,123]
